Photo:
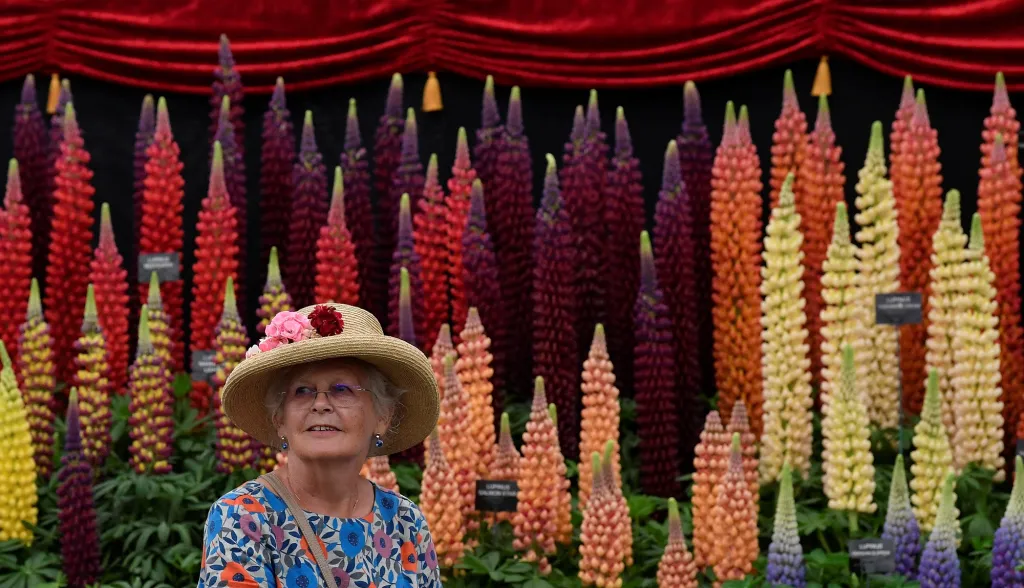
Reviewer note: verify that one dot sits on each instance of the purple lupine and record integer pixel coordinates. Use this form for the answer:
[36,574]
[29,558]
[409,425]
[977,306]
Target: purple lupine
[227,82]
[654,374]
[355,169]
[408,178]
[1008,547]
[901,525]
[555,299]
[31,149]
[276,187]
[696,156]
[488,137]
[143,139]
[79,539]
[940,567]
[234,180]
[405,256]
[483,290]
[387,154]
[510,220]
[308,215]
[785,556]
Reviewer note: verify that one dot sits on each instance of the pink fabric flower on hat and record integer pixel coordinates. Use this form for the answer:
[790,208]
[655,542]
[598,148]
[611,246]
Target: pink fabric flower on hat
[288,325]
[268,343]
[254,350]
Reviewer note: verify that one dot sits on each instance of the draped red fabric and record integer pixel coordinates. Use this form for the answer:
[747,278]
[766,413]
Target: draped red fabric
[171,45]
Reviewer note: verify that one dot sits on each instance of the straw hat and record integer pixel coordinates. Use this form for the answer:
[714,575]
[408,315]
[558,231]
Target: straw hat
[361,338]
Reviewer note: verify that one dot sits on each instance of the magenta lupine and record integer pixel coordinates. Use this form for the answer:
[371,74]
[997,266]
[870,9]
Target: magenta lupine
[79,538]
[654,373]
[785,556]
[940,566]
[1008,547]
[308,215]
[387,154]
[623,221]
[696,156]
[143,139]
[901,525]
[405,256]
[674,259]
[276,178]
[31,149]
[234,180]
[483,290]
[355,169]
[555,299]
[408,178]
[488,149]
[227,82]
[151,420]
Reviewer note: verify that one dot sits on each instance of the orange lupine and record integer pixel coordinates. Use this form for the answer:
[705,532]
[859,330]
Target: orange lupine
[739,423]
[710,462]
[377,469]
[474,370]
[439,501]
[789,142]
[676,569]
[899,136]
[442,347]
[506,460]
[600,416]
[534,522]
[563,515]
[735,522]
[602,548]
[452,424]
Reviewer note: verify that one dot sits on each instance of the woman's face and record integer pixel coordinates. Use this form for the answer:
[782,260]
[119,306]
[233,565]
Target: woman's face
[327,414]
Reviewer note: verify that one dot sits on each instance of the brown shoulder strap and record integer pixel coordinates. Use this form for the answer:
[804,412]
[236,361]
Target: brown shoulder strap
[271,480]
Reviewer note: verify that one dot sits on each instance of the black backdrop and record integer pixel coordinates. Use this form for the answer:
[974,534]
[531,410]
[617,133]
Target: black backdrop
[108,116]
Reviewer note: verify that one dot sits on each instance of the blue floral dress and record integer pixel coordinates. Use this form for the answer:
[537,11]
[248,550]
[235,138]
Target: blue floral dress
[251,539]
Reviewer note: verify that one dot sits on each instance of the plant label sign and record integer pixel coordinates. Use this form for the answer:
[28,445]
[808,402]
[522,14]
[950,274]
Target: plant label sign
[166,266]
[204,365]
[872,556]
[900,308]
[496,496]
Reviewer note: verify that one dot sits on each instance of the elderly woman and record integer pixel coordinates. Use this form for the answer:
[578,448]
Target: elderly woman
[329,389]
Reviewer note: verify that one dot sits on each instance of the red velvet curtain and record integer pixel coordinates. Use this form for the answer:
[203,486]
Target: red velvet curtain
[171,45]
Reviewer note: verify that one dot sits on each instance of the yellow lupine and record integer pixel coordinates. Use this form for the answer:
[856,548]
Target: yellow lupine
[785,359]
[849,470]
[17,467]
[932,458]
[978,433]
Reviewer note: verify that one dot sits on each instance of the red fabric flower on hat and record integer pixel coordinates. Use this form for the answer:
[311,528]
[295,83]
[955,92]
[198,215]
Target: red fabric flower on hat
[326,321]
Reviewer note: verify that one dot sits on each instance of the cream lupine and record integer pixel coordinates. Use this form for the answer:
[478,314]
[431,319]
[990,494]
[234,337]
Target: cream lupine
[946,274]
[600,416]
[879,254]
[978,433]
[849,471]
[932,458]
[17,467]
[474,371]
[844,317]
[785,361]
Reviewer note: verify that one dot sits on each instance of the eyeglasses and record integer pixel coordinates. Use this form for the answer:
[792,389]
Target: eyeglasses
[339,395]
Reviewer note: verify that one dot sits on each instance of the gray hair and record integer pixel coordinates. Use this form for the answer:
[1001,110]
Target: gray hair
[383,392]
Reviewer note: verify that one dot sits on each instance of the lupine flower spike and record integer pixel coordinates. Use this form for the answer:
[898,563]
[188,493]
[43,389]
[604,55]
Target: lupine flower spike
[452,425]
[308,216]
[18,471]
[563,510]
[408,179]
[36,372]
[275,297]
[587,211]
[506,461]
[442,348]
[143,139]
[15,257]
[91,384]
[235,449]
[234,179]
[407,333]
[474,371]
[849,471]
[151,424]
[387,154]
[109,278]
[377,469]
[710,463]
[405,256]
[487,151]
[601,557]
[600,420]
[620,508]
[932,458]
[901,525]
[940,566]
[676,569]
[785,353]
[785,556]
[337,269]
[227,83]
[276,158]
[460,188]
[735,522]
[739,422]
[440,500]
[534,522]
[431,244]
[355,169]
[31,149]
[1008,547]
[79,538]
[159,331]
[789,142]
[899,135]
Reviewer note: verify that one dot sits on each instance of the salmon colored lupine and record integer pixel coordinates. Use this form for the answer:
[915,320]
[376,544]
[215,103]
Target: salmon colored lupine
[79,539]
[789,142]
[739,422]
[847,462]
[734,520]
[151,424]
[159,327]
[452,423]
[460,190]
[919,206]
[337,269]
[620,508]
[442,347]
[275,297]
[18,495]
[91,384]
[232,146]
[36,374]
[879,254]
[161,230]
[276,158]
[70,244]
[932,457]
[676,568]
[785,359]
[506,461]
[235,448]
[710,462]
[534,522]
[822,182]
[899,136]
[15,258]
[387,154]
[308,215]
[563,513]
[110,282]
[405,256]
[431,244]
[31,146]
[474,370]
[355,170]
[736,260]
[440,498]
[844,317]
[601,535]
[600,417]
[1002,120]
[947,284]
[377,469]
[978,412]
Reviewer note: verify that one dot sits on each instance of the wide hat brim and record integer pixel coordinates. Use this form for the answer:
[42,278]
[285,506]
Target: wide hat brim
[243,395]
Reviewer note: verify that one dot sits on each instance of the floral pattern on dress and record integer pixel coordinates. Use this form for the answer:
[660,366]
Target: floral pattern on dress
[251,540]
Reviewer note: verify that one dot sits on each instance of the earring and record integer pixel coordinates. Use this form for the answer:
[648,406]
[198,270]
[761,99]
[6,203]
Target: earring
[284,444]
[378,442]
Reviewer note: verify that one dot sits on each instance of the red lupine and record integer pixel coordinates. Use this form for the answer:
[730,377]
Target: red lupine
[405,256]
[216,259]
[555,298]
[355,169]
[460,188]
[789,142]
[431,244]
[900,129]
[227,82]
[110,281]
[79,539]
[337,272]
[308,216]
[15,258]
[387,154]
[234,180]
[276,172]
[674,260]
[70,244]
[143,139]
[56,131]
[488,147]
[31,149]
[654,372]
[161,231]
